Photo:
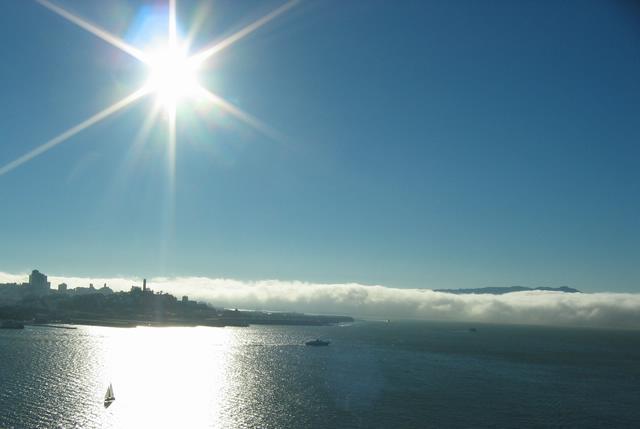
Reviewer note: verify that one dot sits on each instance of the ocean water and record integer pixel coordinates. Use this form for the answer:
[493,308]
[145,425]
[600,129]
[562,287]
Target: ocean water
[373,375]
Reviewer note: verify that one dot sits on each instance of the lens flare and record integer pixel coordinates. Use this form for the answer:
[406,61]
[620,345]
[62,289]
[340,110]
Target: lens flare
[173,77]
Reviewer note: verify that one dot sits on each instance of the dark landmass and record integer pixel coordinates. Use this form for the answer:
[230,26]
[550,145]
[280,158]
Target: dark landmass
[35,303]
[503,290]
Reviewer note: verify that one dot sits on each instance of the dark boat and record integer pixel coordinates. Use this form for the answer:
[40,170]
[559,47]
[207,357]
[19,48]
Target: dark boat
[317,342]
[11,324]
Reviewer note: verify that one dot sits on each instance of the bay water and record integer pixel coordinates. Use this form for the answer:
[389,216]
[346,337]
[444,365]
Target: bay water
[372,375]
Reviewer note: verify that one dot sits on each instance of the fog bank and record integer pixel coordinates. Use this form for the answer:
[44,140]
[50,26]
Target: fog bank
[616,310]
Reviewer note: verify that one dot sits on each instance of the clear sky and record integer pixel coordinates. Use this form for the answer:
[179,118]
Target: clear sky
[424,144]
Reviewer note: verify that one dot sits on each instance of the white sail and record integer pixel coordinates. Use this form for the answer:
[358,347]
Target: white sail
[109,395]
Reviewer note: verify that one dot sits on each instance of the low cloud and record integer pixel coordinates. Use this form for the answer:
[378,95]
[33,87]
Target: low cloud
[614,310]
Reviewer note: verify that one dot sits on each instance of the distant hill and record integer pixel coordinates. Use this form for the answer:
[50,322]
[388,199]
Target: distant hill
[503,290]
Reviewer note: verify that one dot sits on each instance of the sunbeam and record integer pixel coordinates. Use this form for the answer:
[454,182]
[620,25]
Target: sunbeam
[172,24]
[171,156]
[74,130]
[239,114]
[91,28]
[206,53]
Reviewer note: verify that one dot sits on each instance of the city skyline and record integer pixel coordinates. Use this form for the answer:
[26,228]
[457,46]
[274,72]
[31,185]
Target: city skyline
[496,150]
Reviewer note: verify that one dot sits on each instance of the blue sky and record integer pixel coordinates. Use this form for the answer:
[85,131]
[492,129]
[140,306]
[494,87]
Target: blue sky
[427,144]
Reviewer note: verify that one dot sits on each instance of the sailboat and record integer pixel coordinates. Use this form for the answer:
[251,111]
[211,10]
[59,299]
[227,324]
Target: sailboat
[108,397]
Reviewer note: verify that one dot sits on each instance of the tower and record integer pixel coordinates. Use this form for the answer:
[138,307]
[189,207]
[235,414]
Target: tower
[38,282]
[144,285]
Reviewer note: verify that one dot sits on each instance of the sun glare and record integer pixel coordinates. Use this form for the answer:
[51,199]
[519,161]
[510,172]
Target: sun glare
[172,76]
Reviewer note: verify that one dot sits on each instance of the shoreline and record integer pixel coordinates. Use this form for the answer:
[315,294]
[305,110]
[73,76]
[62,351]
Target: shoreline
[133,323]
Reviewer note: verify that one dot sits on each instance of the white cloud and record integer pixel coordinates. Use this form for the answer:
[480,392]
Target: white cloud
[620,310]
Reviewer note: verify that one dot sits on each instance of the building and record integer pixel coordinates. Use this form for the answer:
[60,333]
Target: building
[11,293]
[105,290]
[62,287]
[38,282]
[84,290]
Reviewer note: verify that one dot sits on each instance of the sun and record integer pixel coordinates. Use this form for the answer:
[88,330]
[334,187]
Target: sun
[173,76]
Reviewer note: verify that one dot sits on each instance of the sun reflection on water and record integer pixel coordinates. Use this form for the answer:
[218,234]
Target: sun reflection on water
[191,377]
[164,377]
